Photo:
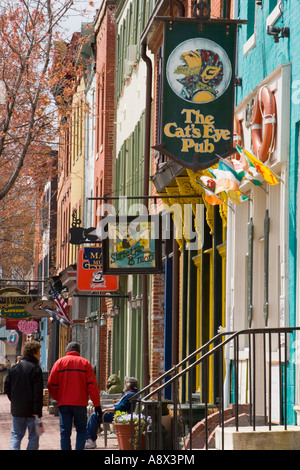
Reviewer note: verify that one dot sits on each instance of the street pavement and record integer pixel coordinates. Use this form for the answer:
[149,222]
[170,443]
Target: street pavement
[50,439]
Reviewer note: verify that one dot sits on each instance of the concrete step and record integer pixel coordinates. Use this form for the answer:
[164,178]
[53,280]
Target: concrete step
[259,439]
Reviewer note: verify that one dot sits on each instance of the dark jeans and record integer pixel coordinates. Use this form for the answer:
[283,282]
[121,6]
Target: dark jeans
[68,413]
[95,422]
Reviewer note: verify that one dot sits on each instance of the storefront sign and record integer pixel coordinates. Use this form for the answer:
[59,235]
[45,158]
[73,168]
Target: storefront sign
[12,338]
[13,302]
[11,324]
[37,308]
[90,274]
[198,95]
[14,311]
[132,245]
[28,327]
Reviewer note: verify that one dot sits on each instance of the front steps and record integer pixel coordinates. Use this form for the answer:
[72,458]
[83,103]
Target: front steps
[245,438]
[260,439]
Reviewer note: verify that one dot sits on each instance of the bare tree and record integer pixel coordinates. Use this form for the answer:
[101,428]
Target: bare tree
[29,30]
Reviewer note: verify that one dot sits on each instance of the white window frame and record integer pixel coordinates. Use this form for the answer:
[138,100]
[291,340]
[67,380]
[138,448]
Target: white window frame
[274,15]
[251,42]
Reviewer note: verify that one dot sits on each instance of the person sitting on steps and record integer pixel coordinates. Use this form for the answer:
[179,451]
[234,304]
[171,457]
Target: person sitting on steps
[124,404]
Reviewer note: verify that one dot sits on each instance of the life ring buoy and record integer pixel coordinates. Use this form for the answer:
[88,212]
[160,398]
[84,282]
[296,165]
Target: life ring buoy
[238,137]
[263,125]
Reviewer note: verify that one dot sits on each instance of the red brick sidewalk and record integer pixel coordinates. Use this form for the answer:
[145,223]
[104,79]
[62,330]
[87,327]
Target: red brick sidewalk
[50,439]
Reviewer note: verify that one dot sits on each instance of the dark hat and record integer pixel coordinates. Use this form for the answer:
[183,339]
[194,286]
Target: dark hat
[73,346]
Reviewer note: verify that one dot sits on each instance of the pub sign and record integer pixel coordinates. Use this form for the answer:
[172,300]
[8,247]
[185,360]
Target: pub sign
[132,245]
[198,93]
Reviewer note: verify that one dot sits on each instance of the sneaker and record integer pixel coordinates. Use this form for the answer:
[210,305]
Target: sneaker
[90,444]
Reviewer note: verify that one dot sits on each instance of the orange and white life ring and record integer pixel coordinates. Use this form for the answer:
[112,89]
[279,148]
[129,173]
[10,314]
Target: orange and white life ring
[238,137]
[263,125]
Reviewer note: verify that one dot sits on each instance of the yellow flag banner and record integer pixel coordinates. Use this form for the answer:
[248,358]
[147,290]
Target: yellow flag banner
[265,171]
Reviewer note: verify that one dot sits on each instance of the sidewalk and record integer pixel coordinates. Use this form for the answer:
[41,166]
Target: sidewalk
[50,439]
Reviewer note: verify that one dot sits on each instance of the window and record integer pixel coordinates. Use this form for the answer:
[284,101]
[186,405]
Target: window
[251,18]
[275,11]
[250,27]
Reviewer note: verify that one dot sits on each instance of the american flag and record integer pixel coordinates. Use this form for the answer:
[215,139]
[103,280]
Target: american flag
[61,304]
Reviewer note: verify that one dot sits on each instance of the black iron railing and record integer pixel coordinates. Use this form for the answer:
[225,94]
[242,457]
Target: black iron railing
[238,371]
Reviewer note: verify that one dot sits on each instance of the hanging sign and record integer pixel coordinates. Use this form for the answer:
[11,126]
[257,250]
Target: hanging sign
[198,95]
[90,275]
[132,245]
[12,337]
[13,301]
[28,327]
[37,308]
[14,312]
[11,324]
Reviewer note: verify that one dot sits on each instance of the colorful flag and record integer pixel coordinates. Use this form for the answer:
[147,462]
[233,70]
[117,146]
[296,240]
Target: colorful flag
[247,169]
[208,184]
[226,178]
[61,304]
[237,197]
[57,317]
[264,170]
[226,165]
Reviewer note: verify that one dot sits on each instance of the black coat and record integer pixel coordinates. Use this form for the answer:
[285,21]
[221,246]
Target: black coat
[24,388]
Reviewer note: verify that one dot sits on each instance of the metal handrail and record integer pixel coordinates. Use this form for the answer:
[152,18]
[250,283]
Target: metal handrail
[180,364]
[212,351]
[233,337]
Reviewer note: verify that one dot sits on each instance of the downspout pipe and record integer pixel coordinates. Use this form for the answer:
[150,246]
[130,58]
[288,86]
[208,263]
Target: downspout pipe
[147,149]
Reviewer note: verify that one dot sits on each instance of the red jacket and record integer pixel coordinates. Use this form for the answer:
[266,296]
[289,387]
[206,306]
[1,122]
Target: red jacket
[72,380]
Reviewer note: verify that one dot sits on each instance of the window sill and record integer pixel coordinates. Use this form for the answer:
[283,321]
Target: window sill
[249,44]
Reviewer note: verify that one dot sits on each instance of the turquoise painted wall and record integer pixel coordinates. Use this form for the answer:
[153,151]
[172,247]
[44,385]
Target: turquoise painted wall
[253,68]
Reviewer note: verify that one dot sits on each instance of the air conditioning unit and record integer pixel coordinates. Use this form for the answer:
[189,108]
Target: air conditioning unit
[131,53]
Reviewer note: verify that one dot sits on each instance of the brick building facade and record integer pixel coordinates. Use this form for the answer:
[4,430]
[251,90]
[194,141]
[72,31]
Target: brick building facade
[104,146]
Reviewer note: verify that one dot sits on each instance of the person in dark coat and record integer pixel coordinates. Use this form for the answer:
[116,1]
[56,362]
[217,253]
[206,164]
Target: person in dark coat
[24,388]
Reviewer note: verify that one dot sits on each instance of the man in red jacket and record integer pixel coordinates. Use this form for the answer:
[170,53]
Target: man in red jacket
[71,382]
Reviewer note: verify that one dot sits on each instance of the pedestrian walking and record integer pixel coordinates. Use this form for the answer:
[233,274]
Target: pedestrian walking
[71,382]
[24,388]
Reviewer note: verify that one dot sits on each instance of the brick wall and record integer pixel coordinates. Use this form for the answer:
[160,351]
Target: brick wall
[104,147]
[213,421]
[157,326]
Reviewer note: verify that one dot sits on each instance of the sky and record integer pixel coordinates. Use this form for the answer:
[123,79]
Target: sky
[82,12]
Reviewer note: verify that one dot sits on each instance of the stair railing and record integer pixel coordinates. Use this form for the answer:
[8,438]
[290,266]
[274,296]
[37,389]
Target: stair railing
[268,359]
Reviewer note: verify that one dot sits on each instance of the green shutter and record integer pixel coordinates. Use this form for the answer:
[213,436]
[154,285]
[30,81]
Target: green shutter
[266,266]
[130,24]
[135,21]
[250,272]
